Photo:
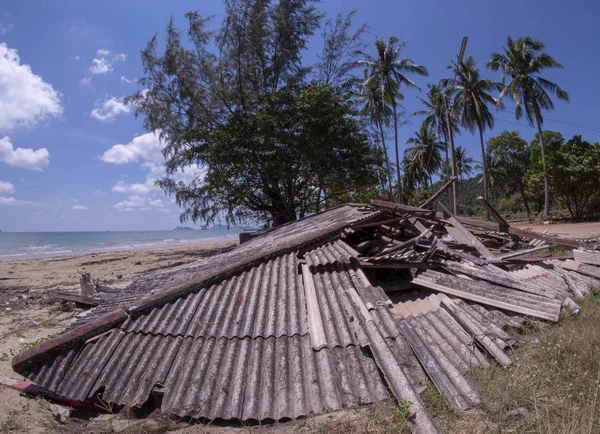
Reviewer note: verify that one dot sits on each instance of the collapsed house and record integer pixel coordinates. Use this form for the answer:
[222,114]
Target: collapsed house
[344,308]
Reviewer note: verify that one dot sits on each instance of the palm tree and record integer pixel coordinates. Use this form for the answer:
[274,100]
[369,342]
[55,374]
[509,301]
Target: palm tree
[497,173]
[436,116]
[390,72]
[375,109]
[464,163]
[425,152]
[522,61]
[471,96]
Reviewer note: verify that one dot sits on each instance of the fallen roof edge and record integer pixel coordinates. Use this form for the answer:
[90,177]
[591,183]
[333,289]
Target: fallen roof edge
[114,318]
[82,333]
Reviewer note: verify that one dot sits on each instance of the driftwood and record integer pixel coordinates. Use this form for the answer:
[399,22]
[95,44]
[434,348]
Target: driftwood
[92,287]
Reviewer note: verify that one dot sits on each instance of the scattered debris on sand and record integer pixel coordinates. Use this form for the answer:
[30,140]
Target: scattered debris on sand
[333,311]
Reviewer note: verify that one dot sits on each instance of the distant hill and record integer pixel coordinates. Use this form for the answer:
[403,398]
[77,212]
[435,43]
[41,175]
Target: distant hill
[184,228]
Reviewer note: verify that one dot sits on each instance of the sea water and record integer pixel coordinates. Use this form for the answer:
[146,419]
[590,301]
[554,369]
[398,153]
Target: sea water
[36,245]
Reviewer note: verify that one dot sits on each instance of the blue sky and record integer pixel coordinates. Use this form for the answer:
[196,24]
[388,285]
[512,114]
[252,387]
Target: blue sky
[65,66]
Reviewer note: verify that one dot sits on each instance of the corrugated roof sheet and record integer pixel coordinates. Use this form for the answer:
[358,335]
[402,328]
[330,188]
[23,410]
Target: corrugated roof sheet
[287,237]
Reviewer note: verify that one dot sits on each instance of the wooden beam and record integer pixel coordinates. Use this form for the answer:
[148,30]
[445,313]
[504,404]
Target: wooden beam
[77,299]
[490,226]
[587,257]
[379,223]
[463,236]
[433,198]
[493,213]
[315,322]
[402,265]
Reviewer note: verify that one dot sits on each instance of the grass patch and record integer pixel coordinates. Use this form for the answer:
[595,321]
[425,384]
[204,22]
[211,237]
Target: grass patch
[560,250]
[551,387]
[382,418]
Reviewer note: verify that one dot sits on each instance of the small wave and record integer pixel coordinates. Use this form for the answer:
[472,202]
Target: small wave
[38,247]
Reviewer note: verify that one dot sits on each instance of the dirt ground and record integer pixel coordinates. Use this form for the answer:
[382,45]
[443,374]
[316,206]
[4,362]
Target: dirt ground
[28,313]
[567,230]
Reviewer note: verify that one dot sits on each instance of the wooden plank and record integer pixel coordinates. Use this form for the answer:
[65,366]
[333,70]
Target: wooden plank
[485,300]
[518,253]
[590,270]
[315,322]
[587,257]
[379,223]
[463,236]
[433,198]
[78,299]
[494,214]
[401,265]
[491,226]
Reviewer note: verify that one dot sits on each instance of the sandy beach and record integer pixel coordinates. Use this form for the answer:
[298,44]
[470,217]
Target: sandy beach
[28,312]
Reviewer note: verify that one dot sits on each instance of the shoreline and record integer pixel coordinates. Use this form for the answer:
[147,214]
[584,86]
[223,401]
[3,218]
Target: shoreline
[29,313]
[63,272]
[52,251]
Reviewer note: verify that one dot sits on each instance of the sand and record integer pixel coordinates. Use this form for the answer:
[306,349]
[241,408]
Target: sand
[29,313]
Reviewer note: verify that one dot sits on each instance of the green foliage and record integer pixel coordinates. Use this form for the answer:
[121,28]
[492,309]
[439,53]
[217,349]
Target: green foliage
[574,173]
[424,155]
[512,204]
[274,162]
[236,106]
[403,411]
[391,73]
[468,192]
[508,156]
[576,176]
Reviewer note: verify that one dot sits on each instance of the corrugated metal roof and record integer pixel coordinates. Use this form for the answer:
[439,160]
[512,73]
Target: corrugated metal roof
[284,238]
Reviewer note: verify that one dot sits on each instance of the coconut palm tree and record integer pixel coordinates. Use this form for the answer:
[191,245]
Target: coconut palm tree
[390,72]
[521,63]
[471,97]
[425,153]
[436,116]
[375,109]
[464,164]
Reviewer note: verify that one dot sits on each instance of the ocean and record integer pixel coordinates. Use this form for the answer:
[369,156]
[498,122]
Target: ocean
[36,245]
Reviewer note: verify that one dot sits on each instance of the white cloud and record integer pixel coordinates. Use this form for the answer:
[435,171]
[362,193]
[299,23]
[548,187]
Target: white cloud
[6,187]
[108,110]
[74,57]
[5,28]
[100,66]
[24,97]
[103,63]
[146,147]
[11,201]
[147,187]
[79,207]
[139,203]
[25,158]
[127,80]
[86,82]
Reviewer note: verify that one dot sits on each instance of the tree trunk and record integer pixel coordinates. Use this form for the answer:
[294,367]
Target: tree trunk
[455,208]
[387,161]
[485,174]
[398,179]
[447,169]
[546,214]
[524,197]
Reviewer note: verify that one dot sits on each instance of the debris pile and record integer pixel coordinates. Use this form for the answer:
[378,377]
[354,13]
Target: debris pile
[329,312]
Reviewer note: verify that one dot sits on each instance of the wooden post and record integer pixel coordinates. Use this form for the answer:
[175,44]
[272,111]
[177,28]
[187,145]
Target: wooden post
[433,198]
[495,215]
